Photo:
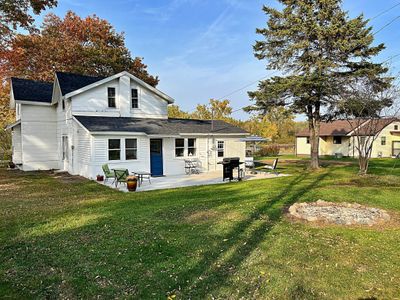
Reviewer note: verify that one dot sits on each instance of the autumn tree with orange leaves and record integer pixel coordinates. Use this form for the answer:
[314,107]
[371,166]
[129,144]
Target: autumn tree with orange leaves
[88,46]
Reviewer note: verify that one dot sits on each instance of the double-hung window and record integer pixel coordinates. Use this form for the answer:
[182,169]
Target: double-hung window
[396,127]
[220,148]
[114,149]
[191,147]
[383,140]
[135,98]
[111,97]
[179,147]
[130,149]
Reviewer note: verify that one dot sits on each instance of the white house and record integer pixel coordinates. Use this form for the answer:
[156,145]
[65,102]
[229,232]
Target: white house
[78,123]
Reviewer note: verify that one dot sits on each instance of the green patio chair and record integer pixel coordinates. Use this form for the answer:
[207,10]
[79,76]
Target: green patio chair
[120,176]
[107,173]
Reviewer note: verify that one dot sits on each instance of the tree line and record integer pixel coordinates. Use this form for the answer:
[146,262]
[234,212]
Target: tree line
[278,125]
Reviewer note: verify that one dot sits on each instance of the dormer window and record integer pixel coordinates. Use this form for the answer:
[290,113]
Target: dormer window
[111,97]
[135,98]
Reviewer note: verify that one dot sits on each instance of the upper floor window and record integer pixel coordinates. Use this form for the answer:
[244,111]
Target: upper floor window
[114,149]
[308,140]
[220,148]
[63,104]
[135,98]
[111,97]
[130,149]
[396,127]
[337,139]
[383,140]
[179,147]
[191,147]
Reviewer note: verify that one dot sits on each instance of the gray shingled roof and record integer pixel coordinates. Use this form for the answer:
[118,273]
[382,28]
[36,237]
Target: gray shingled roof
[156,126]
[32,90]
[70,82]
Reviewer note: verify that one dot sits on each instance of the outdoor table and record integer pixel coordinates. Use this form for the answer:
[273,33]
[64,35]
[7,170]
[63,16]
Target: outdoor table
[140,175]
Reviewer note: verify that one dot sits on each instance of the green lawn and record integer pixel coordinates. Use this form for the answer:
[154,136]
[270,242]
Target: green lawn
[77,239]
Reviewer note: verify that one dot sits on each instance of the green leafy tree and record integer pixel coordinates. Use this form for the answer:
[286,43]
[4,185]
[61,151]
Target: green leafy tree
[318,48]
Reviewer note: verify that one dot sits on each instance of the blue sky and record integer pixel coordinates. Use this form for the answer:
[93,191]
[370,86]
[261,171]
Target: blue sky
[202,49]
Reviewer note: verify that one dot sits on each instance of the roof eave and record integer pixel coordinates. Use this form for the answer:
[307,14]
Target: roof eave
[115,76]
[33,102]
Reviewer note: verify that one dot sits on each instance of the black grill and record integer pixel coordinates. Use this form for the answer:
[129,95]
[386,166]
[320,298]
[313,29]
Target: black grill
[228,165]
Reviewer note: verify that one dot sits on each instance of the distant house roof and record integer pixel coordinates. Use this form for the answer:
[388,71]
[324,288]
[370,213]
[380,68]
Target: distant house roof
[345,127]
[374,126]
[31,90]
[157,126]
[70,82]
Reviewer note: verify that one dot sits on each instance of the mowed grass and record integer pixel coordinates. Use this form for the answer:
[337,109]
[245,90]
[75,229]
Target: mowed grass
[77,239]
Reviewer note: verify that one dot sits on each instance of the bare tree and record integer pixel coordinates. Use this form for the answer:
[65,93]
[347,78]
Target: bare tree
[368,108]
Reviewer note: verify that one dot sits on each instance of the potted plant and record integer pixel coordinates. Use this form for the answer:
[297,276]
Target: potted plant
[100,177]
[131,183]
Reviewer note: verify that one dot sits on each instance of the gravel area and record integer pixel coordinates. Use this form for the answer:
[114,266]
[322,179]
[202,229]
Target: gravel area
[339,213]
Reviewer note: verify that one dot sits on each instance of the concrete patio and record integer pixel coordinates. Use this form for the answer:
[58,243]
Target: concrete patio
[176,181]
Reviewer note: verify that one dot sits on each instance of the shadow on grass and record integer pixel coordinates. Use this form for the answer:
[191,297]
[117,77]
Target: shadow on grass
[136,234]
[209,277]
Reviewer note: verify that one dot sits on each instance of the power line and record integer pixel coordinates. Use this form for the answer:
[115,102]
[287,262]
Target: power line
[385,11]
[269,75]
[386,25]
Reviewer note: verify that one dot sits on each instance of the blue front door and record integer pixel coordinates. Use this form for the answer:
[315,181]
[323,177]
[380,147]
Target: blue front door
[156,160]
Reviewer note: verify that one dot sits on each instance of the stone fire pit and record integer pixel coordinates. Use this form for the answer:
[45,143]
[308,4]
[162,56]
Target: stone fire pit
[338,213]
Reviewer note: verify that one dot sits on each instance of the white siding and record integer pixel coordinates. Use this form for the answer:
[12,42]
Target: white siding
[16,145]
[171,165]
[100,154]
[82,152]
[95,102]
[150,104]
[38,130]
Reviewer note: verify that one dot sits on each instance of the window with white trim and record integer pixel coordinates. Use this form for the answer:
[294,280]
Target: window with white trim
[179,147]
[220,148]
[135,98]
[130,149]
[114,149]
[192,147]
[111,97]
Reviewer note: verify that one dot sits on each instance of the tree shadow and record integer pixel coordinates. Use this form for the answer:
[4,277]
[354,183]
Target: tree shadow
[212,277]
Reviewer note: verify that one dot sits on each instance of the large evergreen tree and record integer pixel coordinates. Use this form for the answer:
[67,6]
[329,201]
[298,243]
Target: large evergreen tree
[318,48]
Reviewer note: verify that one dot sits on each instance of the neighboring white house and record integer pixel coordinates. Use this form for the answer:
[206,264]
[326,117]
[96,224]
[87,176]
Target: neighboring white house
[340,137]
[78,123]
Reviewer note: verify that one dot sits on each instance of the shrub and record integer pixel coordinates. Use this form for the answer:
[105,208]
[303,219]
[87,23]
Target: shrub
[269,150]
